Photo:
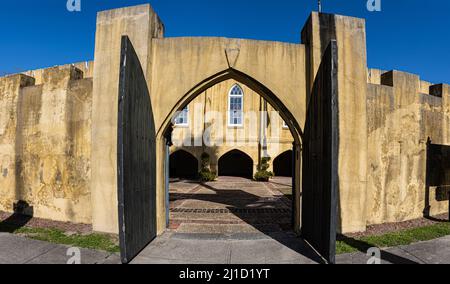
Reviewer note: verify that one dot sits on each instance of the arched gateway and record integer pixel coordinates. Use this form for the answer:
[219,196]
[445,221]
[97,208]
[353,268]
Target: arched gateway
[173,71]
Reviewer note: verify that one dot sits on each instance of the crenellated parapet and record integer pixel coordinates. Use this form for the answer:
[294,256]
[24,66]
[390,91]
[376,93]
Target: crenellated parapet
[405,81]
[86,68]
[374,76]
[440,90]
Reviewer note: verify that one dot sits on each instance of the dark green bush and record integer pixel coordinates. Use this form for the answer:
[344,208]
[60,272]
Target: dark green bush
[263,174]
[205,173]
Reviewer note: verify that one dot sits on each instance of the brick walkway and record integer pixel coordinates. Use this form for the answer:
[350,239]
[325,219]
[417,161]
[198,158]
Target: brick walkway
[230,205]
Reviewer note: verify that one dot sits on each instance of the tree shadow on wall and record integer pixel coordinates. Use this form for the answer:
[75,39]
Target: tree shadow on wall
[22,215]
[437,163]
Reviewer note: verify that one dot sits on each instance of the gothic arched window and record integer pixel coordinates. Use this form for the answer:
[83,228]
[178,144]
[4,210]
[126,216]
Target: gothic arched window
[182,119]
[235,106]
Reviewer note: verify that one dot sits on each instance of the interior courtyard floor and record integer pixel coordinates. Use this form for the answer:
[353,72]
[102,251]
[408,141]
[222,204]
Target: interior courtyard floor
[230,206]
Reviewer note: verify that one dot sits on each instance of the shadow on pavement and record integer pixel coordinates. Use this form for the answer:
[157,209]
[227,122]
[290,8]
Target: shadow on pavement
[248,208]
[22,215]
[363,247]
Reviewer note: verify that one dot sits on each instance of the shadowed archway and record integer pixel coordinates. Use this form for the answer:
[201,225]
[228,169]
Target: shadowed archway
[183,165]
[236,163]
[282,165]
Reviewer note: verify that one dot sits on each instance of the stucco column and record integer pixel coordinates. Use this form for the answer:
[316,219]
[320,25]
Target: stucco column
[140,24]
[350,34]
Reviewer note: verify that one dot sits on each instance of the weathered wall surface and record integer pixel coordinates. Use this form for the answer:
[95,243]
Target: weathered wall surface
[401,119]
[10,88]
[45,144]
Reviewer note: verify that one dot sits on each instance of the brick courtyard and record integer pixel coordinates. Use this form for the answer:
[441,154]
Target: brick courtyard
[230,205]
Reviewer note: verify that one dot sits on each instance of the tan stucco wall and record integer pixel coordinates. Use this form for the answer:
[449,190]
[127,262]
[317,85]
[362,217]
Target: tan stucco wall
[401,119]
[45,144]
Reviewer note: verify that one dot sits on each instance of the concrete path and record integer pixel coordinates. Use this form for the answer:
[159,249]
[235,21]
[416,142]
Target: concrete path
[18,250]
[180,248]
[173,248]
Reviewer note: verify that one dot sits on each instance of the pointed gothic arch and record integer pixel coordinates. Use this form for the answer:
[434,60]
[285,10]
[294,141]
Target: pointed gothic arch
[236,163]
[183,164]
[283,164]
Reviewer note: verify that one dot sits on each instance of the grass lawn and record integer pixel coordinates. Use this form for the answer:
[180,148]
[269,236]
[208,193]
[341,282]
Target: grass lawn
[406,237]
[90,241]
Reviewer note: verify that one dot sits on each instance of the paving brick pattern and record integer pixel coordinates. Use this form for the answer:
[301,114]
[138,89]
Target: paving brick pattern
[234,210]
[228,206]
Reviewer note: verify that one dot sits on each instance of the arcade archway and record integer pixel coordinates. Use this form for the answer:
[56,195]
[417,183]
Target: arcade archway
[183,165]
[282,165]
[236,164]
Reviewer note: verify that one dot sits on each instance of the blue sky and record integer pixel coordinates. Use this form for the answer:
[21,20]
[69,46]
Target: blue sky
[408,35]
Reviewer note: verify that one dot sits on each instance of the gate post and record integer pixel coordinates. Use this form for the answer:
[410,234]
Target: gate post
[350,35]
[140,24]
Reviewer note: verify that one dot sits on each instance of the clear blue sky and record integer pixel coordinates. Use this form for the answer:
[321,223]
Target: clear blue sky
[408,35]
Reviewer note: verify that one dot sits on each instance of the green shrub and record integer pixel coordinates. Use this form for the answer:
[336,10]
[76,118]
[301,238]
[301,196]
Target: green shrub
[205,173]
[264,165]
[263,174]
[205,161]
